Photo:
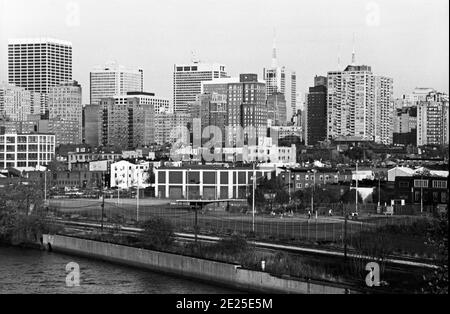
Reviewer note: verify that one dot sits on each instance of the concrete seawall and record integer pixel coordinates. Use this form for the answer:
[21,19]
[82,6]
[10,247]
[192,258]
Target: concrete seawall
[206,270]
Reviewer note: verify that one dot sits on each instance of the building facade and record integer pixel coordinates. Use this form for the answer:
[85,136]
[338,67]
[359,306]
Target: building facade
[187,81]
[206,182]
[126,175]
[39,63]
[276,109]
[358,104]
[279,80]
[18,103]
[405,126]
[433,120]
[65,112]
[114,79]
[316,112]
[26,151]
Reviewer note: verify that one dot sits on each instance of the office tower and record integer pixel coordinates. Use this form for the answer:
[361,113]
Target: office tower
[65,112]
[355,97]
[114,79]
[246,103]
[26,151]
[280,80]
[276,108]
[17,103]
[187,81]
[91,120]
[405,126]
[39,63]
[316,112]
[433,120]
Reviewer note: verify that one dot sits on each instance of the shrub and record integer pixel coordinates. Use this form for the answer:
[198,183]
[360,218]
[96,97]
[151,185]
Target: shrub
[157,234]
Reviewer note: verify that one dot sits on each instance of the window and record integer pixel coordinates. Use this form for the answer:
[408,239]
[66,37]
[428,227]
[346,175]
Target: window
[403,184]
[299,185]
[420,183]
[439,184]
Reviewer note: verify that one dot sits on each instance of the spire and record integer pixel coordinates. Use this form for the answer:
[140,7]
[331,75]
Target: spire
[274,51]
[353,52]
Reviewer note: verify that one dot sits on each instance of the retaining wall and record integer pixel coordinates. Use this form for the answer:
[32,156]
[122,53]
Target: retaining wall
[206,270]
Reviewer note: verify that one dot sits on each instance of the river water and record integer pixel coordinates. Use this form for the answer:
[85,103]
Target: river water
[34,271]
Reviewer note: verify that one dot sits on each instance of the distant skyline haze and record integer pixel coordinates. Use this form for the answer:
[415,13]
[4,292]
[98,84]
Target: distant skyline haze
[407,40]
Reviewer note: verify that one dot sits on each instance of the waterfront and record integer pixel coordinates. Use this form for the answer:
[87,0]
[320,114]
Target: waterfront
[34,271]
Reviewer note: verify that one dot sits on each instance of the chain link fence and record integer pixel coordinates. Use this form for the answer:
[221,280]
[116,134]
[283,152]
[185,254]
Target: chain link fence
[215,220]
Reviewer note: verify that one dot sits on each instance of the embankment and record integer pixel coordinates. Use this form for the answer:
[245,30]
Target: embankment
[205,270]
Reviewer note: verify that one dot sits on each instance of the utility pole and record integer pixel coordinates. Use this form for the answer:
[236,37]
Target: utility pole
[289,186]
[379,190]
[103,203]
[253,198]
[137,199]
[356,190]
[345,235]
[421,192]
[45,187]
[196,223]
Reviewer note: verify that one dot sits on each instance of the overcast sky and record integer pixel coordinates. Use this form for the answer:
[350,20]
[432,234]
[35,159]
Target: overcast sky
[407,40]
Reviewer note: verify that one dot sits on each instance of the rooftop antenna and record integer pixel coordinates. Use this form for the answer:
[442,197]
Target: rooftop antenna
[353,51]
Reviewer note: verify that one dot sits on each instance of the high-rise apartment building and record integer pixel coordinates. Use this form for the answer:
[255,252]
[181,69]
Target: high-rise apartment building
[354,99]
[65,111]
[316,112]
[18,104]
[114,79]
[39,63]
[187,81]
[433,120]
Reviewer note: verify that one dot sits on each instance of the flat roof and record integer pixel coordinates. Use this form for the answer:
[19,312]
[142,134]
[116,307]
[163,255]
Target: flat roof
[38,40]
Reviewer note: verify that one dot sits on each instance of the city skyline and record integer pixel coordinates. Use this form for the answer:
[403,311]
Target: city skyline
[387,37]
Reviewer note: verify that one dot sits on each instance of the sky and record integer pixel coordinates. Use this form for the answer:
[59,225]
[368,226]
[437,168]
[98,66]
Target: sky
[407,40]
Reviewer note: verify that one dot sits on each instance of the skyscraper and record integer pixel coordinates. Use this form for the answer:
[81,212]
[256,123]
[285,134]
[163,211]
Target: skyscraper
[65,112]
[316,112]
[279,80]
[39,63]
[358,103]
[433,120]
[114,79]
[187,81]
